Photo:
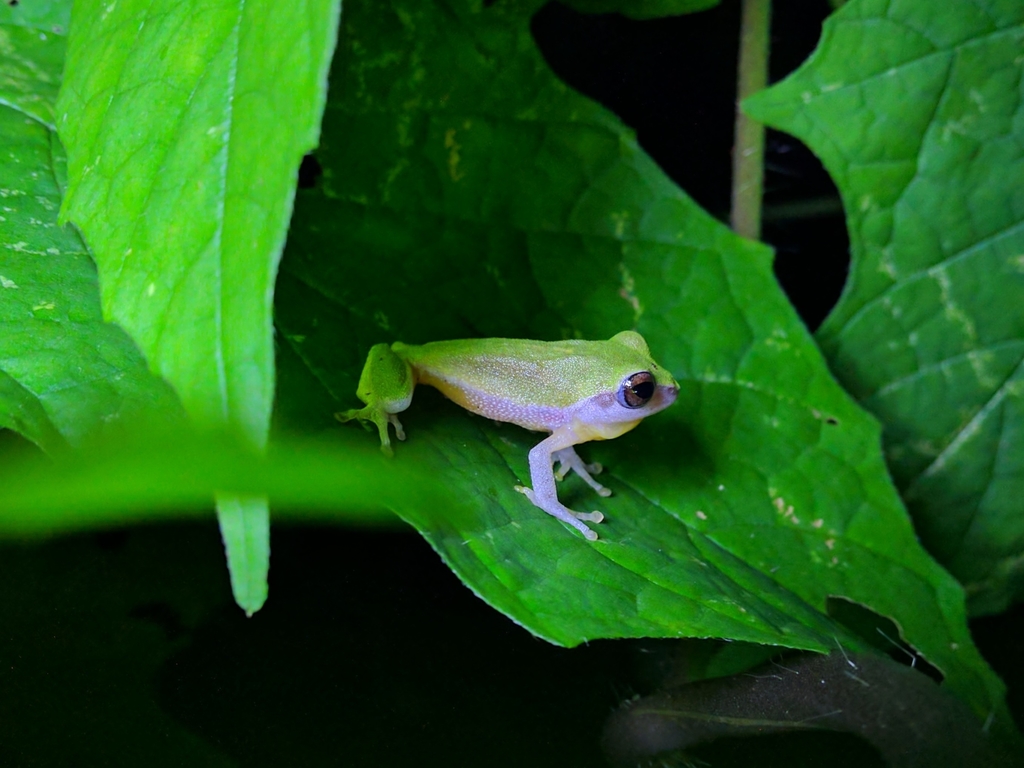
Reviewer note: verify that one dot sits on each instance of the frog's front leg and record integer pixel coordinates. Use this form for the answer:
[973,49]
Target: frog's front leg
[386,386]
[568,460]
[542,475]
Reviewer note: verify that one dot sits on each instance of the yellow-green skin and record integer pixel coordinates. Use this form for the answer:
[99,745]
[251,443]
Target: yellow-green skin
[576,390]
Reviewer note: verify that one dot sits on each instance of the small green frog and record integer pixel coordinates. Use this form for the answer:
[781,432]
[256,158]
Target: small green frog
[576,390]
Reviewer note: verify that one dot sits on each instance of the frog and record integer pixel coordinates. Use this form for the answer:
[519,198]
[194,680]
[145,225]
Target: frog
[575,390]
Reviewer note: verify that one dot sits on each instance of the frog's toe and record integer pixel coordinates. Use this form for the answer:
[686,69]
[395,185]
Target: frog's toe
[590,517]
[574,521]
[356,414]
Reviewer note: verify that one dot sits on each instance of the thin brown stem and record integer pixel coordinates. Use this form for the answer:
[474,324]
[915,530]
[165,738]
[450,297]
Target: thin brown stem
[748,150]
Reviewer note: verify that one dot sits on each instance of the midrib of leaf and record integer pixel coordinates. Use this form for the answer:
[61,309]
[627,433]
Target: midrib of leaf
[244,521]
[932,368]
[963,254]
[968,430]
[222,382]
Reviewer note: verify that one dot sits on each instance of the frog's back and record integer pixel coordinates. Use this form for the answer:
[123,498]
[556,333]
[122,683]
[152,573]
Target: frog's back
[507,379]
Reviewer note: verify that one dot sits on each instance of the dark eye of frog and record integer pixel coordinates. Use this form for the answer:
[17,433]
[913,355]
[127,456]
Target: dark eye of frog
[636,391]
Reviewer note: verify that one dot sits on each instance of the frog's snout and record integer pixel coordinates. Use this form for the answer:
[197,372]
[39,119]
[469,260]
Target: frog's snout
[668,393]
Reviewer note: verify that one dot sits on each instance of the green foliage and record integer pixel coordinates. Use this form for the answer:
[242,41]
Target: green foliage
[65,374]
[165,114]
[466,192]
[917,112]
[31,56]
[503,204]
[188,121]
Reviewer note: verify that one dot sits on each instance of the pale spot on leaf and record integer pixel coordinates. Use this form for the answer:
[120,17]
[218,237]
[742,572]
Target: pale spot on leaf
[454,158]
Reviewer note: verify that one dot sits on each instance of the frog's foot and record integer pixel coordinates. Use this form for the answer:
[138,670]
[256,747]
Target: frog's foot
[568,459]
[375,415]
[563,513]
[393,420]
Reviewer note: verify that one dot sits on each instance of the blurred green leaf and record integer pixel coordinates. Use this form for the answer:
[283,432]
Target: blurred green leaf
[916,111]
[185,124]
[164,474]
[468,192]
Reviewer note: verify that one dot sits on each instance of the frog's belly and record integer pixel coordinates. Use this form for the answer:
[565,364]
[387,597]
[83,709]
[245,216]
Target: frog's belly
[539,418]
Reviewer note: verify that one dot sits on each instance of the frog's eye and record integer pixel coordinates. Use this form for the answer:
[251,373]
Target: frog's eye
[637,390]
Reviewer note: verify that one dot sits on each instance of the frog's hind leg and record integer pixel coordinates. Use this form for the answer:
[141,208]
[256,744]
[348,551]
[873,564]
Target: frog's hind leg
[565,514]
[544,493]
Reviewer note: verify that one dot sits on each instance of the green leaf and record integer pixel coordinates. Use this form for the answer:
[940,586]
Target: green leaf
[500,203]
[41,15]
[185,124]
[31,56]
[915,109]
[168,474]
[245,527]
[65,375]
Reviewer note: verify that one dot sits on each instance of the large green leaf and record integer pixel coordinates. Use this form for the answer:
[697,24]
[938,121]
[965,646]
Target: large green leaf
[468,192]
[916,110]
[64,373]
[185,123]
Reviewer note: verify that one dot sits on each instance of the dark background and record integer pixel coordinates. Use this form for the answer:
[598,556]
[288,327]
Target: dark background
[369,651]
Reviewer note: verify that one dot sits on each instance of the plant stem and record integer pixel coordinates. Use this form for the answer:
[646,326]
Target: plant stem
[748,149]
